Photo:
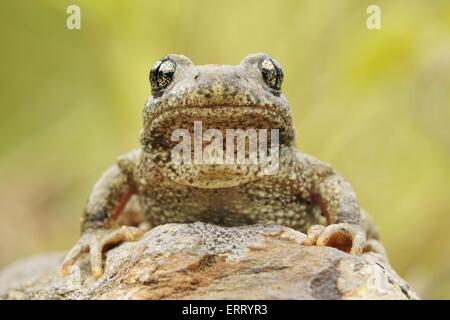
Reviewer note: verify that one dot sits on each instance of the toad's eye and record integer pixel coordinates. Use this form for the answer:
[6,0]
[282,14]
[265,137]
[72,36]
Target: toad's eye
[271,73]
[161,75]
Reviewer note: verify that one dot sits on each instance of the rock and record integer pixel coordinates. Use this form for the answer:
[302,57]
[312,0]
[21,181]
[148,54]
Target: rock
[203,261]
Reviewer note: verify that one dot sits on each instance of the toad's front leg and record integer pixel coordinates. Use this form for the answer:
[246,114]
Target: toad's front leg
[338,203]
[99,228]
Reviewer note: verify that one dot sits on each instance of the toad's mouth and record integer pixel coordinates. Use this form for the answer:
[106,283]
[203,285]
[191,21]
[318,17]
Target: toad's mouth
[160,124]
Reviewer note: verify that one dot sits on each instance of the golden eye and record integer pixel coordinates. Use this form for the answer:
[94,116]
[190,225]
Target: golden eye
[271,73]
[161,75]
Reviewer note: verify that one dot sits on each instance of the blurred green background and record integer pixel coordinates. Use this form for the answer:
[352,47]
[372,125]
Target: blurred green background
[374,104]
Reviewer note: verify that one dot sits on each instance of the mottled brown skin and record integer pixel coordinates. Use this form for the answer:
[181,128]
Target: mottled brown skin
[305,193]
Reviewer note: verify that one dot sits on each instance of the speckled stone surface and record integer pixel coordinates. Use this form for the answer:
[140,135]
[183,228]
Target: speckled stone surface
[204,261]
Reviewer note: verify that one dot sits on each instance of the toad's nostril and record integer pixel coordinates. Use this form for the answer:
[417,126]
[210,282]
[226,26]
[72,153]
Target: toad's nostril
[196,76]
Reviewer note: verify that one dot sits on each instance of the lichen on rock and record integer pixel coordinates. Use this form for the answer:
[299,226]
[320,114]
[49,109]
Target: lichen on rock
[204,261]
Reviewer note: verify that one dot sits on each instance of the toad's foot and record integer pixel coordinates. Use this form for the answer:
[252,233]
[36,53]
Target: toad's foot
[343,236]
[94,242]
